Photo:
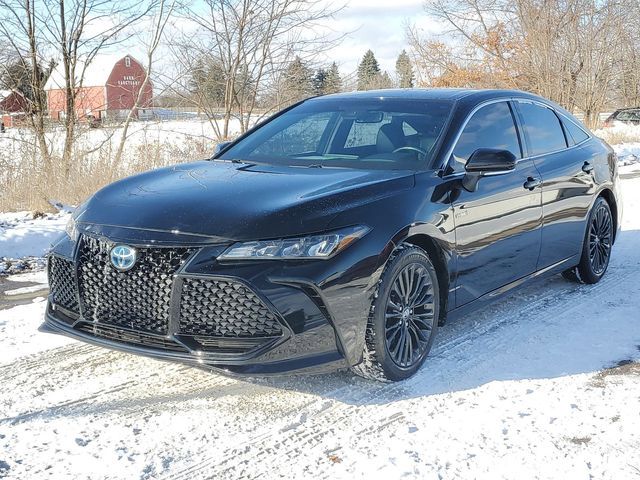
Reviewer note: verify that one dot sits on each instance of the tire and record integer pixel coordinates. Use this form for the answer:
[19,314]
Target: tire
[404,317]
[596,246]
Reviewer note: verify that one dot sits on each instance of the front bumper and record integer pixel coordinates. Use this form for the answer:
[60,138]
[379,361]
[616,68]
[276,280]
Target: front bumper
[321,315]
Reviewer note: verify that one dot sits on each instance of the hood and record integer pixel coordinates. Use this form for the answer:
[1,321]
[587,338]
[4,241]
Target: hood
[231,201]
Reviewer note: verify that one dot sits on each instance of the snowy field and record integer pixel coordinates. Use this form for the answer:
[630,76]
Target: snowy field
[543,384]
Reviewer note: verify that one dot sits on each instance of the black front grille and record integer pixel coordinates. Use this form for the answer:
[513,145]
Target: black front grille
[62,283]
[138,299]
[130,337]
[224,308]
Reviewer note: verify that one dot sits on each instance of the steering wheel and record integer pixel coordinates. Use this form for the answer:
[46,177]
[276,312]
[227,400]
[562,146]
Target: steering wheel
[413,149]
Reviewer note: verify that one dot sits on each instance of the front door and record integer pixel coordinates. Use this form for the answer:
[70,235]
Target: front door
[498,227]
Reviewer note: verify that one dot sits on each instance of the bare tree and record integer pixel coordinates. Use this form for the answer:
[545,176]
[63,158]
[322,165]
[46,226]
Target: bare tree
[79,30]
[163,15]
[566,50]
[22,42]
[250,43]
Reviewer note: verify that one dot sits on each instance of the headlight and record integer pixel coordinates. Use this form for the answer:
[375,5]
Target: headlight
[72,229]
[314,246]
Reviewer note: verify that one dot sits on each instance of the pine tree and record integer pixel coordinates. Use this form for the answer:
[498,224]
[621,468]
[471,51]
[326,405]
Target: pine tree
[333,81]
[207,81]
[368,70]
[320,82]
[404,70]
[383,81]
[298,81]
[18,77]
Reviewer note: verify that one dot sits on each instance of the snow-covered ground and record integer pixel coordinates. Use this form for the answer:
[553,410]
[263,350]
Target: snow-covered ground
[24,240]
[543,384]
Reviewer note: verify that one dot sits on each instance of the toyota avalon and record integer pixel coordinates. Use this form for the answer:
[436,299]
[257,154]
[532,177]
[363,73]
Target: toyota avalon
[339,233]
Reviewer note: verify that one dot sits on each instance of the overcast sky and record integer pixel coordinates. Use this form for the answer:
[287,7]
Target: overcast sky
[378,25]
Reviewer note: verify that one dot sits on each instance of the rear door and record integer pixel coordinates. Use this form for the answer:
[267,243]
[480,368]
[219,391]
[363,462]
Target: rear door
[498,227]
[557,145]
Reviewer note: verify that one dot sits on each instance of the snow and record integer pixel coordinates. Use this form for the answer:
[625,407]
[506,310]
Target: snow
[25,290]
[21,235]
[38,276]
[20,336]
[542,384]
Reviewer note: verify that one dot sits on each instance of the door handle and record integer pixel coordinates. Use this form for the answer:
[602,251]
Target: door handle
[587,167]
[532,183]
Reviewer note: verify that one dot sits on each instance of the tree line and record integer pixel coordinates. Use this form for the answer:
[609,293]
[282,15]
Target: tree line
[583,54]
[239,59]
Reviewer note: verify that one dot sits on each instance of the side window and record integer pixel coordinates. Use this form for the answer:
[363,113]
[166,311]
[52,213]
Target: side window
[575,134]
[542,128]
[490,127]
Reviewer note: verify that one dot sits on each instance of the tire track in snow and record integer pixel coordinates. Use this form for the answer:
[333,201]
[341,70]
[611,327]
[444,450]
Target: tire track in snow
[326,417]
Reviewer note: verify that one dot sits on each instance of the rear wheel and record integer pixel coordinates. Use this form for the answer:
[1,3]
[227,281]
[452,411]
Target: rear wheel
[404,317]
[596,248]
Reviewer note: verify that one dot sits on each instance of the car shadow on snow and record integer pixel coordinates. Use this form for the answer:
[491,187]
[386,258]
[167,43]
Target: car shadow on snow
[548,329]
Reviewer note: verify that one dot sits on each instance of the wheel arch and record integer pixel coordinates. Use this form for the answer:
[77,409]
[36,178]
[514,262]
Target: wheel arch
[610,198]
[437,256]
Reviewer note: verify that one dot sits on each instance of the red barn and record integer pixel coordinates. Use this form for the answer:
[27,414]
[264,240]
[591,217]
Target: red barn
[107,90]
[13,106]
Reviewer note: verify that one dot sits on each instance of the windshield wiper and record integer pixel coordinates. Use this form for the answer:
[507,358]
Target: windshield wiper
[314,165]
[233,160]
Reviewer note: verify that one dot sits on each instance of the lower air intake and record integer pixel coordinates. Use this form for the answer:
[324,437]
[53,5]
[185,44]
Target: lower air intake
[224,308]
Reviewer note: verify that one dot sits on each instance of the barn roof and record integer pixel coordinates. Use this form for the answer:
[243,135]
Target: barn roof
[96,72]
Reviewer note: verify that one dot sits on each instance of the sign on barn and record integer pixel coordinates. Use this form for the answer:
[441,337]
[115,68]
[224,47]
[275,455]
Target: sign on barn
[108,89]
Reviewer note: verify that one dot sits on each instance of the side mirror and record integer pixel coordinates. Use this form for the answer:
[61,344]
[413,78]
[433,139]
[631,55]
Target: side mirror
[487,161]
[221,146]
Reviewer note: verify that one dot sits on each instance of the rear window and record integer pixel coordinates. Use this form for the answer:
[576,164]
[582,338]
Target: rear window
[364,133]
[575,134]
[542,129]
[628,115]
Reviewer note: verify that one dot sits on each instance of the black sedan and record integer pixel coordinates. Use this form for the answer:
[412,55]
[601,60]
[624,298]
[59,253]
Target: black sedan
[340,233]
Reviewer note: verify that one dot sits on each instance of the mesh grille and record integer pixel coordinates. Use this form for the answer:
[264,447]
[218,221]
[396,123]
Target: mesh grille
[222,308]
[138,299]
[62,283]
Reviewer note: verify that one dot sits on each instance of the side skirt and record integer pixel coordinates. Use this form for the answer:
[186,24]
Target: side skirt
[494,295]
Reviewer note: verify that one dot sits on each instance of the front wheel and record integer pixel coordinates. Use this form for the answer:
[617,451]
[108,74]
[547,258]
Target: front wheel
[404,317]
[596,248]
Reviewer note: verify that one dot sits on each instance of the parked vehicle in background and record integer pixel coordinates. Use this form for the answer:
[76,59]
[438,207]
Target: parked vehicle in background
[339,233]
[628,116]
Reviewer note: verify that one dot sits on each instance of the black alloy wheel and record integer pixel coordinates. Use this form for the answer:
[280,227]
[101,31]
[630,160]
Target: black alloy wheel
[596,248]
[404,317]
[409,316]
[600,237]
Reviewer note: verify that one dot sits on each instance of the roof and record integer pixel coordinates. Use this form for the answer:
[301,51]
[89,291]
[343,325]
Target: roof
[410,93]
[96,72]
[430,93]
[466,96]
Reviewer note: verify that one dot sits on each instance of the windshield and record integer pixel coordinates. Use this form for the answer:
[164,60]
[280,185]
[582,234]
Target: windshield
[393,134]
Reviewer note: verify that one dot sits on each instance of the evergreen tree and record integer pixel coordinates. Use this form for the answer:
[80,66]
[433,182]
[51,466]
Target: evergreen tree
[208,82]
[404,70]
[17,76]
[298,81]
[320,82]
[368,70]
[333,81]
[383,81]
